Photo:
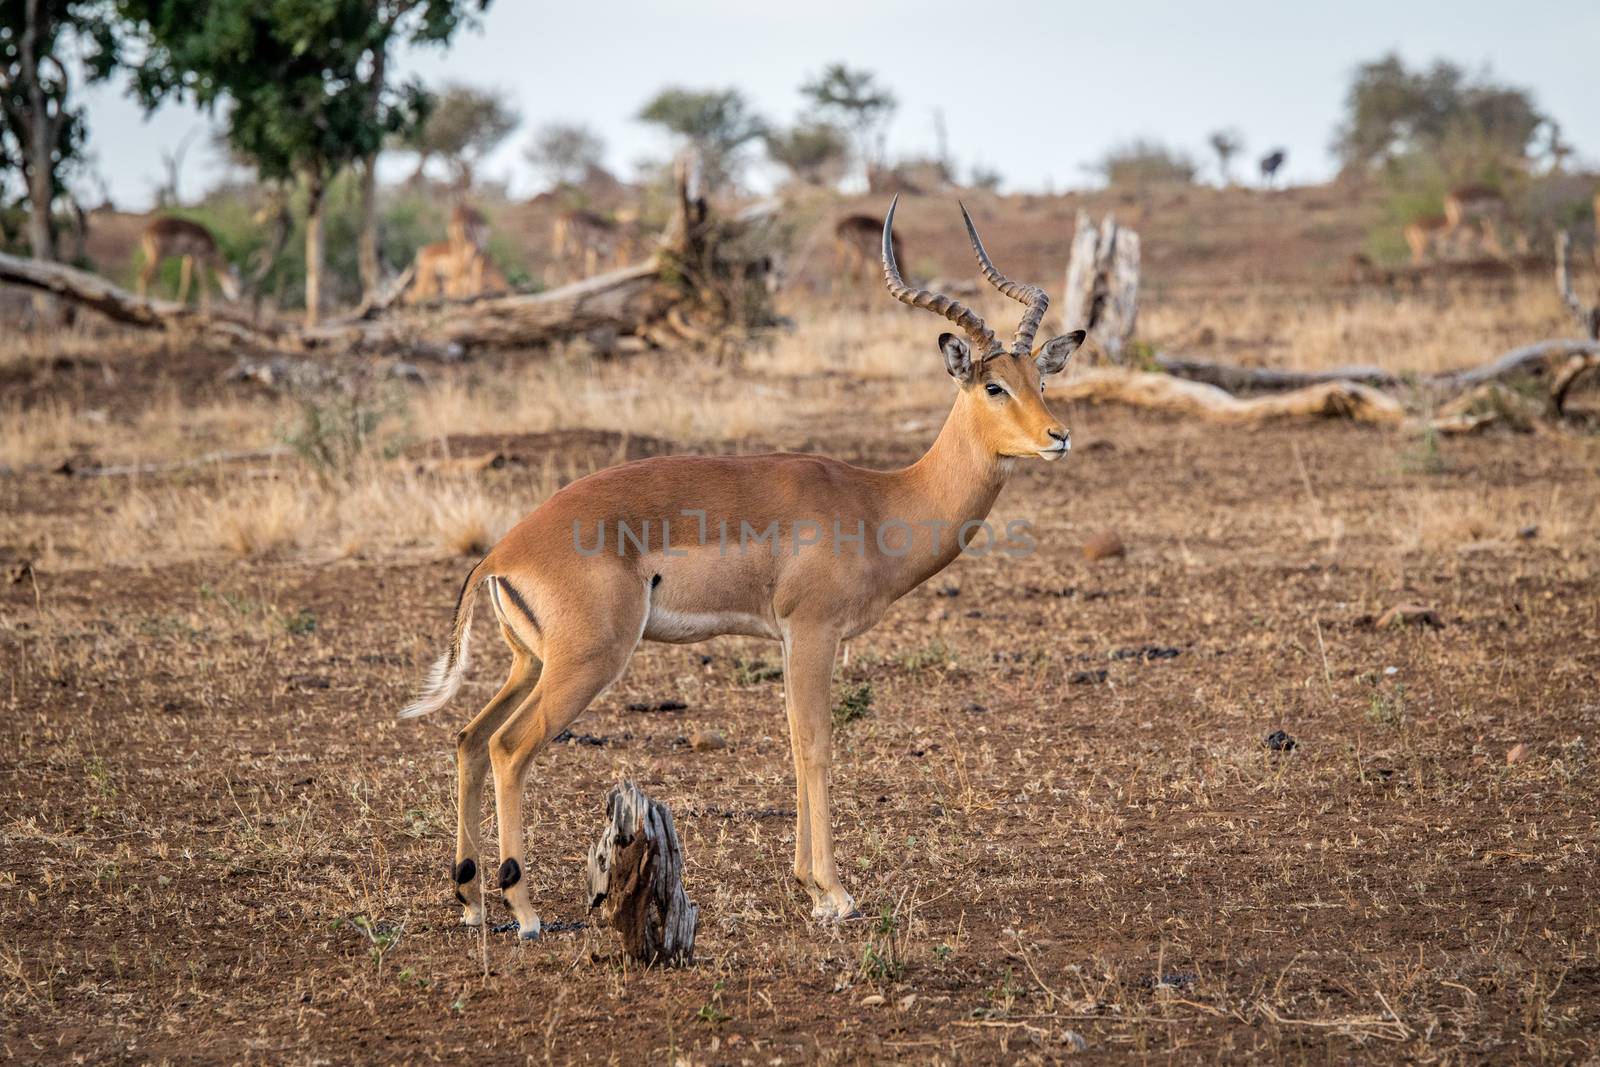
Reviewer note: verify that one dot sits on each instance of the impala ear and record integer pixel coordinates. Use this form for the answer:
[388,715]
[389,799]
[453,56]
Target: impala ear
[957,357]
[1054,353]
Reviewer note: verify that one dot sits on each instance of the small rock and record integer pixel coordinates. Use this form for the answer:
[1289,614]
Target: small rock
[1515,754]
[1410,615]
[1528,533]
[872,1000]
[1073,1040]
[657,705]
[907,1000]
[1104,545]
[1087,678]
[707,741]
[1279,741]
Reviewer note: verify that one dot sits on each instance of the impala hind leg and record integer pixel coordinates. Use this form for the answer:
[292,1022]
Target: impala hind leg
[576,669]
[809,653]
[472,764]
[185,273]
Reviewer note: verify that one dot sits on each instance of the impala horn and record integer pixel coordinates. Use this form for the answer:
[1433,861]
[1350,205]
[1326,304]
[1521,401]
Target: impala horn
[1033,296]
[984,343]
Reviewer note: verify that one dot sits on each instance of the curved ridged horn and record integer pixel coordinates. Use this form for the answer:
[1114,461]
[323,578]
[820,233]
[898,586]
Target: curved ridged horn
[1036,299]
[983,339]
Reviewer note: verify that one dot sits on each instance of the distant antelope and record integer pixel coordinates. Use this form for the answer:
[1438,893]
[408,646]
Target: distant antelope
[584,242]
[1270,164]
[460,266]
[468,227]
[166,237]
[1478,209]
[1427,236]
[835,546]
[455,271]
[855,248]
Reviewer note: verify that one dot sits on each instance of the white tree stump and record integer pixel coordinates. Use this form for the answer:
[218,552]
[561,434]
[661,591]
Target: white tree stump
[1102,287]
[636,879]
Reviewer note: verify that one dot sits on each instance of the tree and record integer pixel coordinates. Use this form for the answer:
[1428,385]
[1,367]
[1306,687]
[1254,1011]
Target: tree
[1226,144]
[810,151]
[465,124]
[565,154]
[41,130]
[718,123]
[416,22]
[1392,111]
[1142,162]
[855,100]
[295,79]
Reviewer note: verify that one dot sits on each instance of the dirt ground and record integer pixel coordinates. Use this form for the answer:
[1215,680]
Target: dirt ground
[1060,810]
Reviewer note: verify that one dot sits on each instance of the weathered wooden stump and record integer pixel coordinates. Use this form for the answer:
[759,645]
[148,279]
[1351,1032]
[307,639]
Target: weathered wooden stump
[636,879]
[1102,287]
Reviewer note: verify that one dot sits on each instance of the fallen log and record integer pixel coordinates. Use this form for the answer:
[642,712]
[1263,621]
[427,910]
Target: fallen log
[636,879]
[1163,392]
[1236,379]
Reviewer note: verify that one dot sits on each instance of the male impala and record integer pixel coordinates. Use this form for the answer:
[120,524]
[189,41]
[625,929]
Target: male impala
[166,237]
[658,550]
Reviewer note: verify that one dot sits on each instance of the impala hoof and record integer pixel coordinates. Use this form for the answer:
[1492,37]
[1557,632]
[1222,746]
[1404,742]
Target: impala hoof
[836,911]
[530,933]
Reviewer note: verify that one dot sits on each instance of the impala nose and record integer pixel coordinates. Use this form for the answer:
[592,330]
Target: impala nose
[1062,437]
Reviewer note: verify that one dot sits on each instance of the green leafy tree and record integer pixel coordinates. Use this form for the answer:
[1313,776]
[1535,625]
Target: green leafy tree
[811,152]
[465,124]
[565,154]
[1468,123]
[41,128]
[718,123]
[856,101]
[414,22]
[302,83]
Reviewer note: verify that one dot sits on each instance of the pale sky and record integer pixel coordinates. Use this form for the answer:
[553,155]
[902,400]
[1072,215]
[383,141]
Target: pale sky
[1033,91]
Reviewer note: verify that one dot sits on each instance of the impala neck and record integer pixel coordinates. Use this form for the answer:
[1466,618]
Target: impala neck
[956,481]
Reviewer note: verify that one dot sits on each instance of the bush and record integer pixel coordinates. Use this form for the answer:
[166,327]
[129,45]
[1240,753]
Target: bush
[1144,162]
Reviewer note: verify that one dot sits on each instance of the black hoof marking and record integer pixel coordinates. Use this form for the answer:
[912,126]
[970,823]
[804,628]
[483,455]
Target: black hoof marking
[465,872]
[510,874]
[531,935]
[460,899]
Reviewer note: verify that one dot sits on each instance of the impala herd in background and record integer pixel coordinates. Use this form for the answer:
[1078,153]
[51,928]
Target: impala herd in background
[1476,222]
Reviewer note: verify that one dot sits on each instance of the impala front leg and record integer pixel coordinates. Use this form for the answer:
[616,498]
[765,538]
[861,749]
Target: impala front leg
[809,651]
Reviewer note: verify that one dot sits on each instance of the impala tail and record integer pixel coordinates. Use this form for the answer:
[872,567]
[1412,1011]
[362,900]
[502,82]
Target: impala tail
[444,680]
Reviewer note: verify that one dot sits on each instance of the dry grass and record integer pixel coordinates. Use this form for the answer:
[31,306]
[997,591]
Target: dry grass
[1421,333]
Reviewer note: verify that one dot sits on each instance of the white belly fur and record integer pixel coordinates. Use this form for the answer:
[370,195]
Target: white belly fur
[683,627]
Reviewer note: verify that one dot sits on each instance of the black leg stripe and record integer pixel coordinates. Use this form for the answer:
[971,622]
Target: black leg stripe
[520,604]
[510,874]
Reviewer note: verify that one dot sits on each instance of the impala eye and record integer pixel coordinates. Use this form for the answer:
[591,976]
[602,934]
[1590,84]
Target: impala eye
[994,390]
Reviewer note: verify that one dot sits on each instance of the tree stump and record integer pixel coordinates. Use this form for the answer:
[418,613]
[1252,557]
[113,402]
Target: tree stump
[636,879]
[1102,288]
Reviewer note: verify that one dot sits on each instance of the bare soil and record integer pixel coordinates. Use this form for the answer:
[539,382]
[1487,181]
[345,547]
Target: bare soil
[1072,813]
[1060,815]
